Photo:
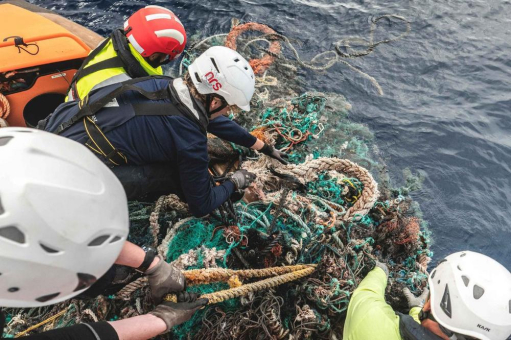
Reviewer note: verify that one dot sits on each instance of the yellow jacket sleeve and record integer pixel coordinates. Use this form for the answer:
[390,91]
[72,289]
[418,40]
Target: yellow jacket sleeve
[369,316]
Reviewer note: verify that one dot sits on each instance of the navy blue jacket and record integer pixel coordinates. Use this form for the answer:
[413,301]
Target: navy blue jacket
[175,140]
[178,141]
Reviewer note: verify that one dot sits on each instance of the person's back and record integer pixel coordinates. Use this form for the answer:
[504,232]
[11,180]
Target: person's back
[152,131]
[151,37]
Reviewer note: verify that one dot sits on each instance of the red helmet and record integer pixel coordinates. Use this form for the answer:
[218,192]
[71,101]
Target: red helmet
[155,29]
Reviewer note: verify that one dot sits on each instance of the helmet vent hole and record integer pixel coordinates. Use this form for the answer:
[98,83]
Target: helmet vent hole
[98,241]
[459,268]
[48,250]
[4,140]
[47,297]
[214,64]
[13,289]
[466,280]
[84,281]
[246,68]
[445,304]
[478,292]
[115,239]
[433,274]
[1,207]
[12,234]
[464,254]
[236,60]
[197,77]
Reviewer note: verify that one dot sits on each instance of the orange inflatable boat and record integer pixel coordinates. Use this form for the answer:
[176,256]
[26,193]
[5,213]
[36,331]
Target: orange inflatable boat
[40,52]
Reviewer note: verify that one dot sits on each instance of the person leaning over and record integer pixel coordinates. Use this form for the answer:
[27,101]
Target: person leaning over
[63,223]
[153,131]
[470,299]
[152,36]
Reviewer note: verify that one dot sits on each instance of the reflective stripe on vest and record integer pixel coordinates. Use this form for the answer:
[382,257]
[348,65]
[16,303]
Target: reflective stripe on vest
[113,57]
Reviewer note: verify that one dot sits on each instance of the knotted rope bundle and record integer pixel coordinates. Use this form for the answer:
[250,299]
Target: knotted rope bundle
[309,171]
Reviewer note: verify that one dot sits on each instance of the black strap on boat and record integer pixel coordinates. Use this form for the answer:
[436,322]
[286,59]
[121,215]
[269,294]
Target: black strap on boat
[89,109]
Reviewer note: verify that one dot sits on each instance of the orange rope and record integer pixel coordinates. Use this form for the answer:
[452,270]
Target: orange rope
[259,134]
[258,65]
[293,142]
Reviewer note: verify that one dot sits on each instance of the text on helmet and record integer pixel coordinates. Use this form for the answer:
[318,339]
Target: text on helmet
[483,328]
[210,77]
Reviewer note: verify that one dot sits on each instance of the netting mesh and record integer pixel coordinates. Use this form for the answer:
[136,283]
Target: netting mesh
[288,219]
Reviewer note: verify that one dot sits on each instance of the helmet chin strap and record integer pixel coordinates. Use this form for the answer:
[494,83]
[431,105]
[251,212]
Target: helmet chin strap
[209,100]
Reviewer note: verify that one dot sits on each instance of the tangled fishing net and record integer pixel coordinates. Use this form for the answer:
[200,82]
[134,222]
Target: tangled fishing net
[323,209]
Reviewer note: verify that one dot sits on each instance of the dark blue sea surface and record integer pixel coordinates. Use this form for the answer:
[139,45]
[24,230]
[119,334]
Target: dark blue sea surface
[446,108]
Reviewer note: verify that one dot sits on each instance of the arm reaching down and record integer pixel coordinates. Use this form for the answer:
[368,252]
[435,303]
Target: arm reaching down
[201,196]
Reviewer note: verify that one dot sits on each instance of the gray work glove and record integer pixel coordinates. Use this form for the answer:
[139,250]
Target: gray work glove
[415,301]
[270,151]
[242,179]
[383,266]
[164,278]
[174,314]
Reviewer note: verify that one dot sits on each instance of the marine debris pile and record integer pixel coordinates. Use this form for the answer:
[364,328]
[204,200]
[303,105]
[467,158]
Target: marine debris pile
[311,230]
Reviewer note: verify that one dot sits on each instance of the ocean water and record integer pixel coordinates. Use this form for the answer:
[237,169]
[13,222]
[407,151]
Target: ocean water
[446,108]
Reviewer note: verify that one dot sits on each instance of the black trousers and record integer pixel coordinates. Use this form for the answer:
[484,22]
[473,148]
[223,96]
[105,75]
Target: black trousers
[148,182]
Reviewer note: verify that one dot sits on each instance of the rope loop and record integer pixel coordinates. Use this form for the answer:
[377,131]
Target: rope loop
[258,65]
[5,107]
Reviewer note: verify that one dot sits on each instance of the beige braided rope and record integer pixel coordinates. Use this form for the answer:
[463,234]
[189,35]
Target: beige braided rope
[153,220]
[308,171]
[129,289]
[5,107]
[243,290]
[204,276]
[172,202]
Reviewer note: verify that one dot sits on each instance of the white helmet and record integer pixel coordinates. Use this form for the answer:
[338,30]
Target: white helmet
[63,218]
[471,295]
[225,72]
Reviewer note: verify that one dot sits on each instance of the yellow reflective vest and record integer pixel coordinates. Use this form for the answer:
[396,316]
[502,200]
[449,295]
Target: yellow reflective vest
[108,76]
[369,316]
